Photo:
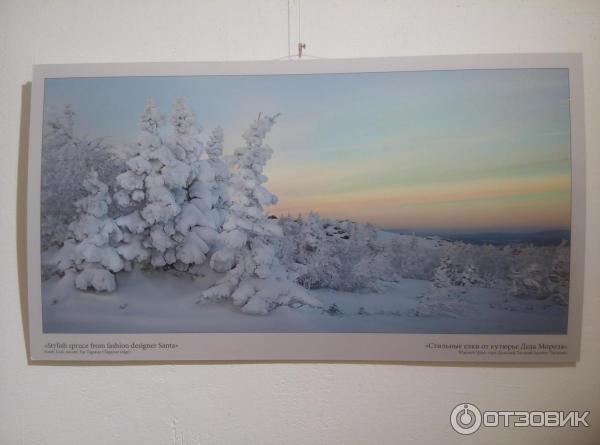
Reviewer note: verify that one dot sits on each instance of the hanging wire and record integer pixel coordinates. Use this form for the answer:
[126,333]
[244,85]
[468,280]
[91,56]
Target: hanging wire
[301,46]
[289,37]
[299,38]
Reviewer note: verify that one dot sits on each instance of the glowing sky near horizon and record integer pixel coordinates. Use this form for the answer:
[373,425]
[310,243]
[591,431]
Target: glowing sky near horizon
[436,150]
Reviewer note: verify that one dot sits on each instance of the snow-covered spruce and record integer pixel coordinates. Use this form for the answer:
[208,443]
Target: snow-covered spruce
[540,273]
[470,277]
[220,196]
[153,189]
[442,275]
[254,279]
[196,226]
[67,158]
[94,256]
[529,282]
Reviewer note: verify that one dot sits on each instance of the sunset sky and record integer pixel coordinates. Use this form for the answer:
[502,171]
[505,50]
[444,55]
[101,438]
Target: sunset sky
[464,150]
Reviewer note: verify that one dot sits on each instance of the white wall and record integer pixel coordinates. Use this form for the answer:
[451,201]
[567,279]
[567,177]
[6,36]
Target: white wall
[281,403]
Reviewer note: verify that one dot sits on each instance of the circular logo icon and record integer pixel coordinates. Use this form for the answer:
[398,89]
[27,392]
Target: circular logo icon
[465,418]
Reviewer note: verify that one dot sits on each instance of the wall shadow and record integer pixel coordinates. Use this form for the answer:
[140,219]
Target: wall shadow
[21,210]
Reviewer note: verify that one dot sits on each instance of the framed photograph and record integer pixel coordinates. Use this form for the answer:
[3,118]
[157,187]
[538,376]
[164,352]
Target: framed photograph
[396,209]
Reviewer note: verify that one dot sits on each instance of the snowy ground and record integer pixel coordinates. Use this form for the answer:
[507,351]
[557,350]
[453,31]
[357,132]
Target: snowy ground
[157,302]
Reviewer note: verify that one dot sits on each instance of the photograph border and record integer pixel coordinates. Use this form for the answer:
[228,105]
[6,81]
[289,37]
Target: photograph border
[311,346]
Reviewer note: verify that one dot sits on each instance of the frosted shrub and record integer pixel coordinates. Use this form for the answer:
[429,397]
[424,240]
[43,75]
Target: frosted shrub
[340,255]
